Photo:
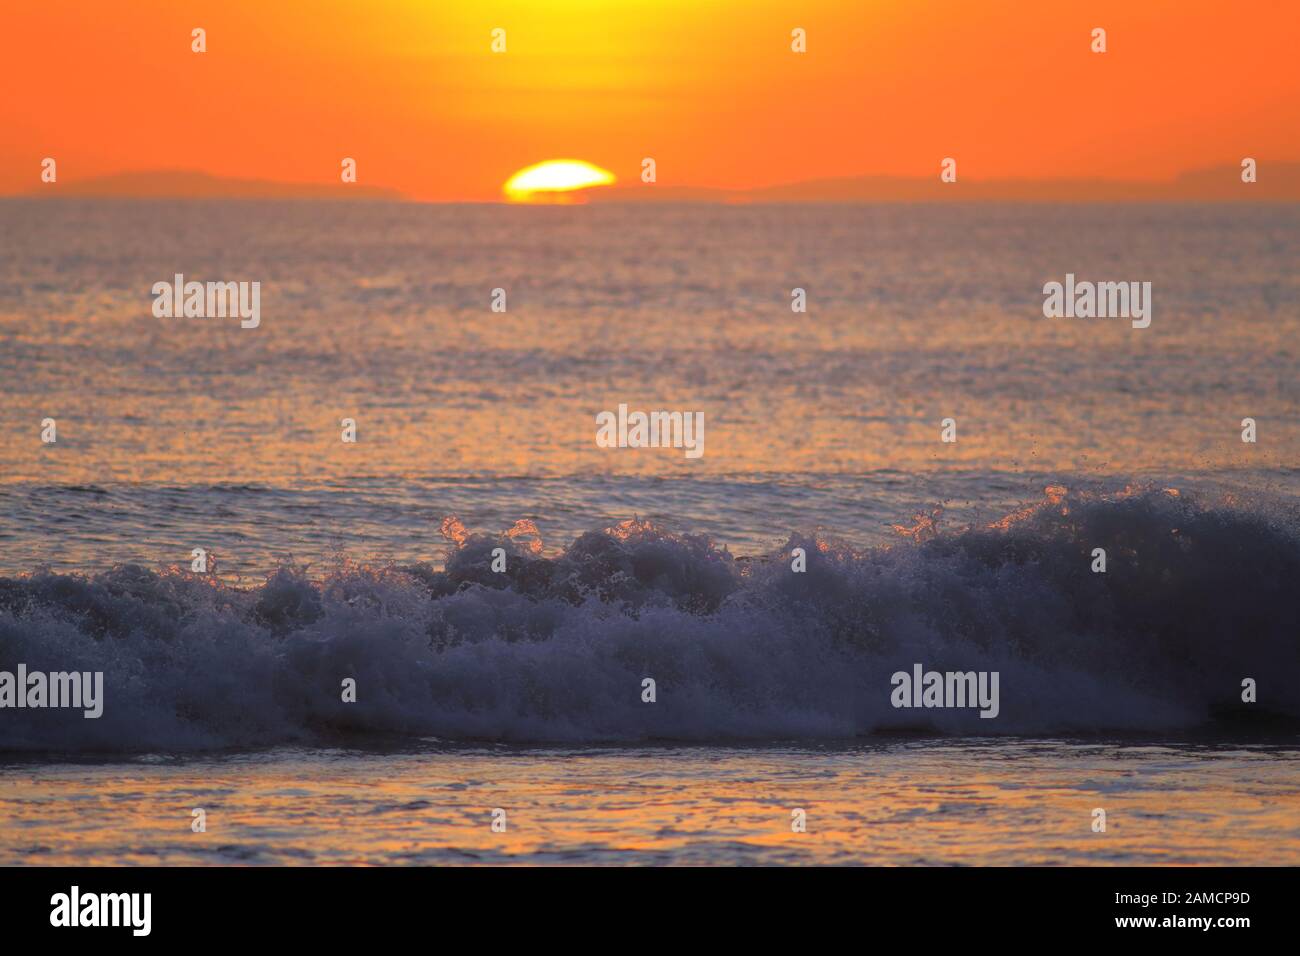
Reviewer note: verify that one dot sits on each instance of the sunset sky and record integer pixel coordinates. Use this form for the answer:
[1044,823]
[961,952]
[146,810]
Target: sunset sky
[711,90]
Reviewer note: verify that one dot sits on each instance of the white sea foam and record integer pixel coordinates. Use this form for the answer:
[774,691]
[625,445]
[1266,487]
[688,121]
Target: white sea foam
[1196,598]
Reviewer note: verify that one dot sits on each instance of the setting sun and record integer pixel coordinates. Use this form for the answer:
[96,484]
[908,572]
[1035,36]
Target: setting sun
[546,181]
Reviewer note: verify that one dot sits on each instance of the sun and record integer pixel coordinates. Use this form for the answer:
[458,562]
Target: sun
[554,180]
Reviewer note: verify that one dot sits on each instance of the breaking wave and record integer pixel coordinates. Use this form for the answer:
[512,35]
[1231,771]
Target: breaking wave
[1196,597]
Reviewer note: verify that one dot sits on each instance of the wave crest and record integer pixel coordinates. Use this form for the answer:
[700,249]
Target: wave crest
[1196,597]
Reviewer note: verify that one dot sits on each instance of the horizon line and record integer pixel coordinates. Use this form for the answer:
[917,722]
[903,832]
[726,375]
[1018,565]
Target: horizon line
[1204,183]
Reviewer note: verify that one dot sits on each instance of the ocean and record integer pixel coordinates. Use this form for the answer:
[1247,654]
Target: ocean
[523,690]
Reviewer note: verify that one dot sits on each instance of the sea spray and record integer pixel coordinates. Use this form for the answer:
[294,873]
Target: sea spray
[1197,596]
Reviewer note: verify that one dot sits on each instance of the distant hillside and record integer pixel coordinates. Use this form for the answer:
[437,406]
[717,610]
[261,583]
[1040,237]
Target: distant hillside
[1277,182]
[189,184]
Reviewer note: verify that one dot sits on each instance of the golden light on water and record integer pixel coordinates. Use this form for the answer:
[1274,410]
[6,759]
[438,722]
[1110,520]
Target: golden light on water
[942,805]
[554,180]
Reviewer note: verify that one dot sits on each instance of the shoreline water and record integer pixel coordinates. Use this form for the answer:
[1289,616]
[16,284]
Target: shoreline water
[976,802]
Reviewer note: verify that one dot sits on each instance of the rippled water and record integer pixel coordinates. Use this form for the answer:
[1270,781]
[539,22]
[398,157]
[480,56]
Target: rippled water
[822,431]
[176,433]
[918,802]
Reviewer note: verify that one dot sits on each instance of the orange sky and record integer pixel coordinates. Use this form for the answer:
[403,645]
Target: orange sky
[709,88]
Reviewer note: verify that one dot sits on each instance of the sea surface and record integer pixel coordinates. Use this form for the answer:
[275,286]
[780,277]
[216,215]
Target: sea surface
[892,802]
[523,690]
[182,433]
